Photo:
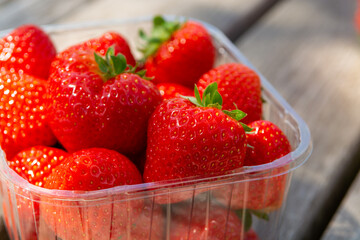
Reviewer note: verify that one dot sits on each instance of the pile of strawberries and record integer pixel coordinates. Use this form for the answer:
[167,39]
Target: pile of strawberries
[91,117]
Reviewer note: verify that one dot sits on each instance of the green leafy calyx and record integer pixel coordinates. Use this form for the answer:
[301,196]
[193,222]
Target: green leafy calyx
[112,65]
[161,32]
[212,98]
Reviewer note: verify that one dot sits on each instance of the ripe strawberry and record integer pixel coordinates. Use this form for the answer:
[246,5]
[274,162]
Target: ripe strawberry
[193,138]
[240,87]
[104,42]
[171,90]
[27,50]
[96,102]
[268,143]
[23,122]
[35,164]
[89,170]
[178,53]
[199,224]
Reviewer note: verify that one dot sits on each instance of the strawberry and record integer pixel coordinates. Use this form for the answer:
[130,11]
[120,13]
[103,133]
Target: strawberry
[171,90]
[268,143]
[104,42]
[23,122]
[27,49]
[193,138]
[97,102]
[214,223]
[35,164]
[178,53]
[89,170]
[240,87]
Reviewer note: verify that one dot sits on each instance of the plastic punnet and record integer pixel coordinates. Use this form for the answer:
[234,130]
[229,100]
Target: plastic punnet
[31,212]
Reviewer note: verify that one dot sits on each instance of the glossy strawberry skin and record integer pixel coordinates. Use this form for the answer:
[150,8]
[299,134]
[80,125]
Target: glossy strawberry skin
[23,120]
[172,90]
[102,43]
[89,170]
[184,57]
[27,49]
[35,164]
[215,223]
[188,141]
[268,144]
[237,84]
[85,112]
[93,169]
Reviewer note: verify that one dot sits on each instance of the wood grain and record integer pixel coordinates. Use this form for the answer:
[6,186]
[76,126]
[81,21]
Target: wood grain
[309,51]
[228,15]
[346,222]
[17,12]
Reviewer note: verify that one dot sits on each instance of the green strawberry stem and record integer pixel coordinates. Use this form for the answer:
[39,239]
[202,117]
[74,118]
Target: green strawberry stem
[212,98]
[161,32]
[112,65]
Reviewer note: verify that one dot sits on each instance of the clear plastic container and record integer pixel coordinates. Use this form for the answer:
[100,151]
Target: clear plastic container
[145,211]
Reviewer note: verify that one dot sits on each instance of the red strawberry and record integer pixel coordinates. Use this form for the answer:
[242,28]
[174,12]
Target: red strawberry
[186,140]
[104,42]
[23,122]
[171,90]
[89,170]
[268,143]
[215,224]
[239,86]
[27,49]
[178,53]
[35,164]
[99,104]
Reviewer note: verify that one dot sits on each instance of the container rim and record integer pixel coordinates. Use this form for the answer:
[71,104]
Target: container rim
[294,159]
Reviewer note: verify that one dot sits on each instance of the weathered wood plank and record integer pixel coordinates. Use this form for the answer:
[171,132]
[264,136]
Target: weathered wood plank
[346,223]
[16,12]
[231,16]
[309,51]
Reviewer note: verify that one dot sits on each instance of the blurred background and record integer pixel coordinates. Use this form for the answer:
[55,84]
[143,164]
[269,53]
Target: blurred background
[308,49]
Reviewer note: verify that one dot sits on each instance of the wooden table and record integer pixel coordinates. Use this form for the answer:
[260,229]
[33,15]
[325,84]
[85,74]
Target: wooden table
[308,50]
